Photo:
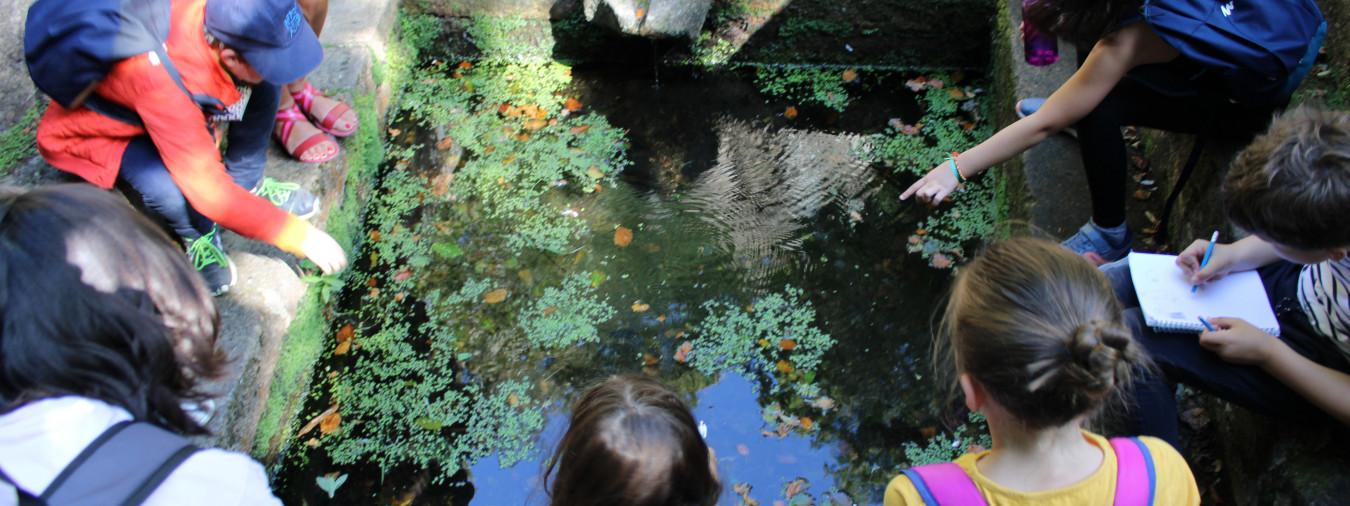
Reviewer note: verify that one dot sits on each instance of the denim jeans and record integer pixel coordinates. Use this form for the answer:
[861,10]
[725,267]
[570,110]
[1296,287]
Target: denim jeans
[144,177]
[1180,359]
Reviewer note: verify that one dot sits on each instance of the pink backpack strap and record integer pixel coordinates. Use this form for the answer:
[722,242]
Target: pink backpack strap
[1136,480]
[945,484]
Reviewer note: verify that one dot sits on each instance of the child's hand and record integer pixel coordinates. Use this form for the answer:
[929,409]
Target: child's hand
[933,187]
[1220,264]
[1239,342]
[320,248]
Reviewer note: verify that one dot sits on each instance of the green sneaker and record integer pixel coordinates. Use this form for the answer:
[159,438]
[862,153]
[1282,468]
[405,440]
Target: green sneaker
[290,197]
[208,257]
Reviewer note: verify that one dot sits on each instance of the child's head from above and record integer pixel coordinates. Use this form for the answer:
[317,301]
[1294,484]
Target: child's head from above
[96,301]
[632,441]
[1291,186]
[1080,20]
[1036,332]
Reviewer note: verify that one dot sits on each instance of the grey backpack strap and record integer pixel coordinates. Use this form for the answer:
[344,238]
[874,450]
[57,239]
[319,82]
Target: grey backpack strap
[25,498]
[124,465]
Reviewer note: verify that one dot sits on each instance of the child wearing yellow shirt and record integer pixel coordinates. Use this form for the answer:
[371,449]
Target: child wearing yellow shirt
[1039,345]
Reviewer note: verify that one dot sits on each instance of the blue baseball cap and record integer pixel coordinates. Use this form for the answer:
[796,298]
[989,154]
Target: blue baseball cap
[272,35]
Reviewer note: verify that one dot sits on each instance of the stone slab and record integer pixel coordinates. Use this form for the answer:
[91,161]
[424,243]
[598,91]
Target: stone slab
[1047,184]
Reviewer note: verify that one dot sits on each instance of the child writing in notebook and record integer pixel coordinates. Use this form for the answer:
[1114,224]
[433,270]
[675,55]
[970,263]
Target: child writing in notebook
[1039,347]
[1291,190]
[632,441]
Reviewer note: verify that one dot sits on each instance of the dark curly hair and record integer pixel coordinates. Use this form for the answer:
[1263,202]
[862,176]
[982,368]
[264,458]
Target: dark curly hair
[1292,184]
[96,301]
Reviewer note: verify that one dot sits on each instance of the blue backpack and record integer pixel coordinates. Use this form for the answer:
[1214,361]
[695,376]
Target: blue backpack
[1260,50]
[71,45]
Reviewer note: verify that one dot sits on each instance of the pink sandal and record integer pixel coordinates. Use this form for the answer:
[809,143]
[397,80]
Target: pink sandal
[305,100]
[286,119]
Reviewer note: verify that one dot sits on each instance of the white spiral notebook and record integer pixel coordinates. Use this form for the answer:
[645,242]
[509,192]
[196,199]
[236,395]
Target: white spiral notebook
[1169,306]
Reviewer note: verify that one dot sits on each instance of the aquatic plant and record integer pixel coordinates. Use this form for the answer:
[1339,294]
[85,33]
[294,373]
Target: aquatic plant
[804,85]
[19,142]
[952,122]
[945,447]
[567,315]
[776,336]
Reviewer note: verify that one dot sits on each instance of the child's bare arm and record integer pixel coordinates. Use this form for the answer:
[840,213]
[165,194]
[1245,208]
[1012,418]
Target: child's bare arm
[1244,255]
[1325,387]
[1106,65]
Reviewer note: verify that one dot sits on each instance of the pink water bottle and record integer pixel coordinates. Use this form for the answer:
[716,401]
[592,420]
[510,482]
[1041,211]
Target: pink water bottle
[1041,48]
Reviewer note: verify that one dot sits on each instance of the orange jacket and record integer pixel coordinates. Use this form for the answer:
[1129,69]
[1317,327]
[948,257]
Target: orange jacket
[90,145]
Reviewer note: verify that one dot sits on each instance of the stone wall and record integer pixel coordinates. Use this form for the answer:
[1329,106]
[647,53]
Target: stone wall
[17,94]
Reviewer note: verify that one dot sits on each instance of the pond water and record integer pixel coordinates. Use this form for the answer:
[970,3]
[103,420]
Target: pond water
[735,205]
[728,201]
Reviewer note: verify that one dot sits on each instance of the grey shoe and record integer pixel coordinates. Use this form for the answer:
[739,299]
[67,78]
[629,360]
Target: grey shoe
[209,259]
[1090,242]
[290,197]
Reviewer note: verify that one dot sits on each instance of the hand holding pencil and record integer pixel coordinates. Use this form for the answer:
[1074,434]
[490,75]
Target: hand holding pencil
[1221,262]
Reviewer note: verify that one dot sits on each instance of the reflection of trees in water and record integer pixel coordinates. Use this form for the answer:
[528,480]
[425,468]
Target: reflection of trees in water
[766,186]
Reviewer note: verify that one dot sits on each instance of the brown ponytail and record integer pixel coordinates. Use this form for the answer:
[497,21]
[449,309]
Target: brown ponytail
[1041,330]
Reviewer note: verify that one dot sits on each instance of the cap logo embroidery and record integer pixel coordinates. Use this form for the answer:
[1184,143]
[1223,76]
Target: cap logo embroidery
[293,20]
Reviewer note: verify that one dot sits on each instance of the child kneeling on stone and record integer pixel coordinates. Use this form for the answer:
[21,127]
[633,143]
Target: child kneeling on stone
[632,441]
[1291,190]
[1039,346]
[106,334]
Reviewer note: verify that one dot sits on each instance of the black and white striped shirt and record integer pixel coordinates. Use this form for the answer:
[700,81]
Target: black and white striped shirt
[1324,293]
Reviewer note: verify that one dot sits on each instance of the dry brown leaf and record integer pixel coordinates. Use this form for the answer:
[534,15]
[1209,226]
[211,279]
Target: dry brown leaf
[572,104]
[580,129]
[315,421]
[682,353]
[445,143]
[465,65]
[641,307]
[342,348]
[548,311]
[535,124]
[785,367]
[330,423]
[790,112]
[623,236]
[807,423]
[495,296]
[850,75]
[787,344]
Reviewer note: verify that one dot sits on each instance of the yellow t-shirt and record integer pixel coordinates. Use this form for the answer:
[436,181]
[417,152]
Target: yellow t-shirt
[1175,484]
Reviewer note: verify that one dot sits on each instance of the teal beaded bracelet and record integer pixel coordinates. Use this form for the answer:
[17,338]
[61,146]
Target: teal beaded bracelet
[951,159]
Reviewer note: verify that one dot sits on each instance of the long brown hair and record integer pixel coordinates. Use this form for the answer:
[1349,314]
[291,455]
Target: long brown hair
[1080,21]
[96,301]
[1041,330]
[631,442]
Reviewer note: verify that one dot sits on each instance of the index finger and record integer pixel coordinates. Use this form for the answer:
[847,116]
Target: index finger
[913,188]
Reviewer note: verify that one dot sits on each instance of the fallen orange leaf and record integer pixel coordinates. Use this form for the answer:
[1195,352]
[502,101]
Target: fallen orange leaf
[535,124]
[314,422]
[790,112]
[445,143]
[465,65]
[523,137]
[682,353]
[402,275]
[623,236]
[374,236]
[785,367]
[641,307]
[343,347]
[330,423]
[346,333]
[580,129]
[550,310]
[640,13]
[850,75]
[807,422]
[495,296]
[787,344]
[572,105]
[650,360]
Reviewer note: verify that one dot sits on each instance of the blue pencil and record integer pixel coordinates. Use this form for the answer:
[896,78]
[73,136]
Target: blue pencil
[1205,323]
[1213,239]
